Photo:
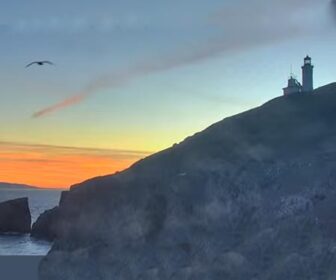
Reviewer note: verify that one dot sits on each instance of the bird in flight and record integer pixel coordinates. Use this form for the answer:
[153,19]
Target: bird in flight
[40,63]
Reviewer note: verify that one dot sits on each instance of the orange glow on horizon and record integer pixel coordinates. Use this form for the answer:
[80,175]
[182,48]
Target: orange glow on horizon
[55,167]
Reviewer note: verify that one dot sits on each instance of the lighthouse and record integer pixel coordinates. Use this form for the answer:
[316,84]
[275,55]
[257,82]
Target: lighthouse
[307,86]
[307,75]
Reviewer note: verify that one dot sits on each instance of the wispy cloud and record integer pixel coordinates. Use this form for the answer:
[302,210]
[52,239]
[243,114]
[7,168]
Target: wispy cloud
[65,103]
[74,24]
[57,166]
[244,25]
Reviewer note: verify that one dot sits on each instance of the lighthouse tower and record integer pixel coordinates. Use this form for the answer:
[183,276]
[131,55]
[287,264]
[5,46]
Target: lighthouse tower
[307,75]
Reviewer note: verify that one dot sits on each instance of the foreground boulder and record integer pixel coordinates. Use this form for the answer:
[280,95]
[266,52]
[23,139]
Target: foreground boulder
[15,216]
[250,197]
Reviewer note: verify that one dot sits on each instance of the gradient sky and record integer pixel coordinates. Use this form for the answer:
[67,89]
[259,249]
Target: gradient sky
[139,76]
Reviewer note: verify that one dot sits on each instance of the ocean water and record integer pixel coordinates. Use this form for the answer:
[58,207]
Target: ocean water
[39,201]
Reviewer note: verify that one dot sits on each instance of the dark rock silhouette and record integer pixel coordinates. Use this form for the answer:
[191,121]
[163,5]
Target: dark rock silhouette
[15,216]
[15,186]
[49,224]
[250,197]
[45,226]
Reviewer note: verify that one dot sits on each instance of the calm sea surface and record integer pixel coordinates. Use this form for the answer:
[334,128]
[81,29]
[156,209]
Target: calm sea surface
[39,201]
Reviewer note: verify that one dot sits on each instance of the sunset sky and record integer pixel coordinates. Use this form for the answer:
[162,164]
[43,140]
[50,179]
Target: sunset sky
[134,77]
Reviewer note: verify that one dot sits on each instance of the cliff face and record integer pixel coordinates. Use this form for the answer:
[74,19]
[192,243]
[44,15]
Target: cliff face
[250,197]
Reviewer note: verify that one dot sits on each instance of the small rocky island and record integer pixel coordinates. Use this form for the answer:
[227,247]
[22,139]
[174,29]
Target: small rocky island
[15,216]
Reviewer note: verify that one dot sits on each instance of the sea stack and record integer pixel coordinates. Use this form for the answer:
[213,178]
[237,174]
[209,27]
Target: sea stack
[15,216]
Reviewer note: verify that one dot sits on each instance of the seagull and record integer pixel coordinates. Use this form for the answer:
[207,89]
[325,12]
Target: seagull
[40,63]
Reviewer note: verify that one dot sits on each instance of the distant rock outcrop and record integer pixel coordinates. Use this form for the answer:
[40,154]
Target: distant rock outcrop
[49,224]
[12,186]
[15,216]
[251,197]
[45,226]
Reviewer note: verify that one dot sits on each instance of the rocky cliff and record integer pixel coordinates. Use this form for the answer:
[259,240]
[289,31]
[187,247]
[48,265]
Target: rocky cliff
[251,197]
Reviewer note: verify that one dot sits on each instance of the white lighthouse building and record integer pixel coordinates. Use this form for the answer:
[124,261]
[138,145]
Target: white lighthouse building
[307,86]
[307,75]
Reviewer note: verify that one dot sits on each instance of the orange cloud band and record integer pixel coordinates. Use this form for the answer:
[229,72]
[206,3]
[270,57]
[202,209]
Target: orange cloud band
[54,166]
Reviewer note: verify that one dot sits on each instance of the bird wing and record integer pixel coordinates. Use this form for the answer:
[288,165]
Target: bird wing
[30,64]
[48,62]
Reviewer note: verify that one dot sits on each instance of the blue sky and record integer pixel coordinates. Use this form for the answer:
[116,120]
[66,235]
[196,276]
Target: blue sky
[206,60]
[134,77]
